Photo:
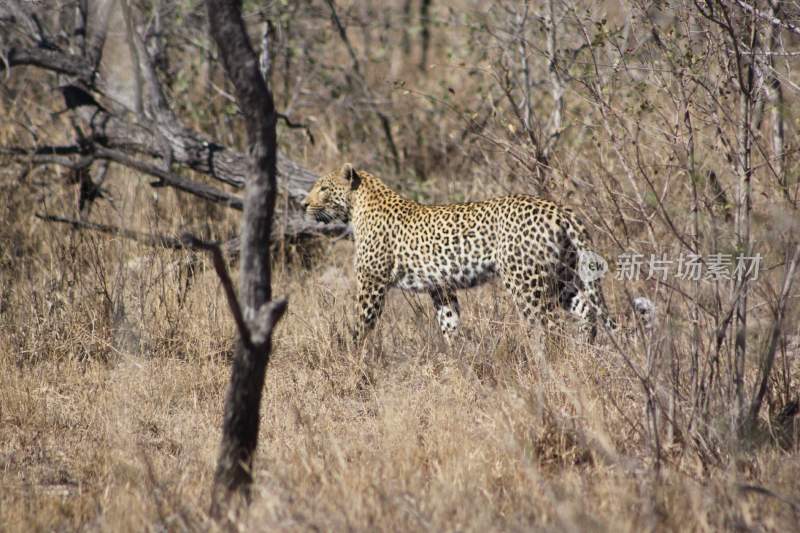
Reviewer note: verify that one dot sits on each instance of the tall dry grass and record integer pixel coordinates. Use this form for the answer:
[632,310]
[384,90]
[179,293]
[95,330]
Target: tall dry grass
[408,433]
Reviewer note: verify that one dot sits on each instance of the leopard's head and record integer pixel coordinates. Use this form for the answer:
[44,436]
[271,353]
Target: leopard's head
[329,199]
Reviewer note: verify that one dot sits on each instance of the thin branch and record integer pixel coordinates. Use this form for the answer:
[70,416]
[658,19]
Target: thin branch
[346,40]
[34,26]
[777,329]
[227,284]
[382,117]
[149,239]
[775,21]
[557,84]
[198,189]
[756,489]
[60,62]
[297,126]
[40,150]
[44,159]
[42,156]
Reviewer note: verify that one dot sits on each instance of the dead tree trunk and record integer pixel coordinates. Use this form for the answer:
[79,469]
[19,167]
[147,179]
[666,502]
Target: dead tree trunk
[255,314]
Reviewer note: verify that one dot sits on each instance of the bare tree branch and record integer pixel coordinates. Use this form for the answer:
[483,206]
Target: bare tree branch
[768,359]
[147,137]
[773,20]
[382,117]
[218,261]
[159,241]
[198,189]
[31,20]
[60,62]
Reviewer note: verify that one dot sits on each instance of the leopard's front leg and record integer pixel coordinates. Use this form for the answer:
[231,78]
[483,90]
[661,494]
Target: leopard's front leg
[371,295]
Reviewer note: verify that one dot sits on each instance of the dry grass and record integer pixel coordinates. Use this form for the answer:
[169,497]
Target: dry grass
[406,434]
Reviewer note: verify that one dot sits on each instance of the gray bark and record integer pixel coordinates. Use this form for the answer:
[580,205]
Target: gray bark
[124,138]
[256,315]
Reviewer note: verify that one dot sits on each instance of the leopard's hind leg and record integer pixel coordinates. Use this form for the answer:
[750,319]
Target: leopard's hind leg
[447,311]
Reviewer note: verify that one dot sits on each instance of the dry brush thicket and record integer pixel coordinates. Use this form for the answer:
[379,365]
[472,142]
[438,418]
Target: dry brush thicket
[670,126]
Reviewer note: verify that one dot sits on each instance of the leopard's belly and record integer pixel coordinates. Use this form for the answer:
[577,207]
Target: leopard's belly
[451,274]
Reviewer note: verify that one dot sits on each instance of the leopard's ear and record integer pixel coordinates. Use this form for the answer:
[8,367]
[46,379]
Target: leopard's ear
[351,175]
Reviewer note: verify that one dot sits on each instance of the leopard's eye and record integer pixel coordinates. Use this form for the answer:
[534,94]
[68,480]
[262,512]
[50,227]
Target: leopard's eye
[323,189]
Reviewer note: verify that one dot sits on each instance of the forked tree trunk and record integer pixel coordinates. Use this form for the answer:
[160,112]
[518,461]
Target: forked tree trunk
[256,315]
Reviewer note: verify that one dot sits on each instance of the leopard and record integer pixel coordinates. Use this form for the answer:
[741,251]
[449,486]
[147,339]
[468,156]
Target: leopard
[533,245]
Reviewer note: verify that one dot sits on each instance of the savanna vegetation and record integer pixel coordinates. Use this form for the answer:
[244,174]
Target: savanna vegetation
[670,126]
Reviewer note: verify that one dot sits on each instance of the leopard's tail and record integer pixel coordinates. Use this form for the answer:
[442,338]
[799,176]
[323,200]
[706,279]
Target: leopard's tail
[588,268]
